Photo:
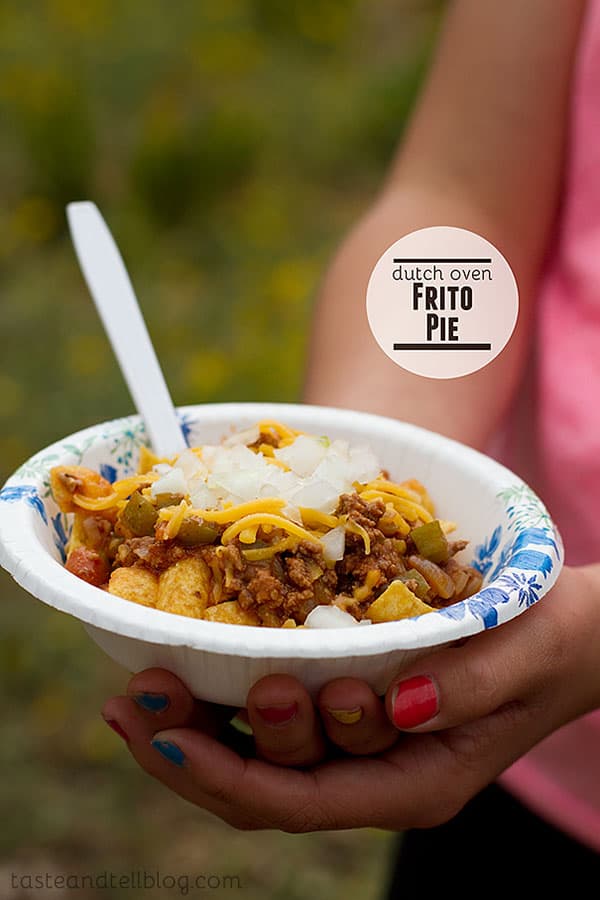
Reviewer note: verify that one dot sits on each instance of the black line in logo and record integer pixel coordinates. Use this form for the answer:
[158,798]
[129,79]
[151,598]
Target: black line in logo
[442,346]
[487,261]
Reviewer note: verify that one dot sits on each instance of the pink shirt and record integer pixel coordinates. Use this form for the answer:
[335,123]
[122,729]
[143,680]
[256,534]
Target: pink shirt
[560,778]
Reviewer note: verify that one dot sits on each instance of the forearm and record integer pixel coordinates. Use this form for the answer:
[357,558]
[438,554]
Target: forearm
[484,152]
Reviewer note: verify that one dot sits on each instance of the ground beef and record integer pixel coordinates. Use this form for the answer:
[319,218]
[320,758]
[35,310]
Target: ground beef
[364,512]
[353,569]
[290,584]
[456,546]
[284,587]
[298,571]
[385,556]
[149,552]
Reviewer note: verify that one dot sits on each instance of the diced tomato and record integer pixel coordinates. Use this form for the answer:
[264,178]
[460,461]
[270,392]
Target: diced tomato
[88,565]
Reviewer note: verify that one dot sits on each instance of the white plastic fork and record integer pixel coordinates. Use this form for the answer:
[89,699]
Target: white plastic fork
[111,289]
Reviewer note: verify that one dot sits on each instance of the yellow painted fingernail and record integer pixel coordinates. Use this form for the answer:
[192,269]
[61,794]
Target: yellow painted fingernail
[346,716]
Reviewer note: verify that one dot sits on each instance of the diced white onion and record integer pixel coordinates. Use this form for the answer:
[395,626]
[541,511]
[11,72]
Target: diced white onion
[173,482]
[162,468]
[243,484]
[247,436]
[329,617]
[292,513]
[303,455]
[335,471]
[228,458]
[319,495]
[318,472]
[334,544]
[190,464]
[201,497]
[363,464]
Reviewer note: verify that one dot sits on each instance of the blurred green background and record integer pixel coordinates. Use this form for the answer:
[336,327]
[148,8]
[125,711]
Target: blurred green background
[230,145]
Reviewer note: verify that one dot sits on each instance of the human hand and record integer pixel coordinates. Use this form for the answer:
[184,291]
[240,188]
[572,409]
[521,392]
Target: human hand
[485,704]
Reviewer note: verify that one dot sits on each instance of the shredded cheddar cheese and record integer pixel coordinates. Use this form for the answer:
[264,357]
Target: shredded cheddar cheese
[248,535]
[278,462]
[312,518]
[407,508]
[233,513]
[284,433]
[371,581]
[355,528]
[260,519]
[95,503]
[120,491]
[148,459]
[257,554]
[176,519]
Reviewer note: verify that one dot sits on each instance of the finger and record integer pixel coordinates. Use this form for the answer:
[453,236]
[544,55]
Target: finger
[355,718]
[515,663]
[282,716]
[167,768]
[168,702]
[157,690]
[220,776]
[137,727]
[136,724]
[422,781]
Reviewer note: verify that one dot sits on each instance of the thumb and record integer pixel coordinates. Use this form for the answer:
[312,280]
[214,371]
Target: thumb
[513,663]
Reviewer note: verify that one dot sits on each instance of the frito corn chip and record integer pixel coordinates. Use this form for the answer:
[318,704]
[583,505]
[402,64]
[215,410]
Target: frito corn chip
[184,588]
[230,611]
[68,481]
[136,584]
[396,602]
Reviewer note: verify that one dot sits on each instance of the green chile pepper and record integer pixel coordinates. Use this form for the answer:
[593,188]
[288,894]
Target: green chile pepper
[193,532]
[431,542]
[139,516]
[422,589]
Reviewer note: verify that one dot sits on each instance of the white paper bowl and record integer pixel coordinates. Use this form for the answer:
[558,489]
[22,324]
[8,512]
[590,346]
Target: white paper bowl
[513,542]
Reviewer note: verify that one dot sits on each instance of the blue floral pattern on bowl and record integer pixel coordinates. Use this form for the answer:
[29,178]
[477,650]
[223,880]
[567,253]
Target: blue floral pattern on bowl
[518,563]
[24,493]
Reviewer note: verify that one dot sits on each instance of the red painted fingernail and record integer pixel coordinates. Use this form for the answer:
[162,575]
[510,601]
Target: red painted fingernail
[112,723]
[414,701]
[278,715]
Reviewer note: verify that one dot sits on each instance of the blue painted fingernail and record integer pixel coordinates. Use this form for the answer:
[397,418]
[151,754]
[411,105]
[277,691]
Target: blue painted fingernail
[152,702]
[170,751]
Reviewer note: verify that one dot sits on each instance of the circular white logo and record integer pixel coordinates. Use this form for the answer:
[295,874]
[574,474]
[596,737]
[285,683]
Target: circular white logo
[442,302]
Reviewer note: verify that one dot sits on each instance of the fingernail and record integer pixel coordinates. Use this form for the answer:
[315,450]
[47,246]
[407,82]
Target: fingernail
[170,751]
[278,715]
[346,716]
[414,701]
[112,723]
[152,702]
